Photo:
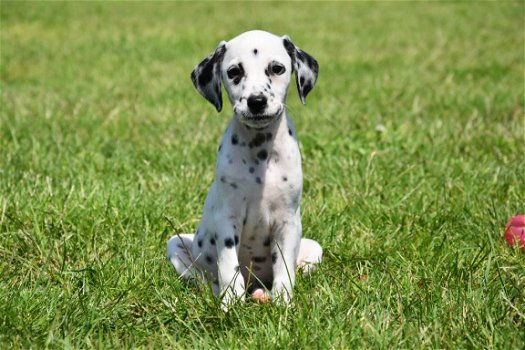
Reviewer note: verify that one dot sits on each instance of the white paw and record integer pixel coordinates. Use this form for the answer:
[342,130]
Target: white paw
[230,298]
[232,294]
[281,296]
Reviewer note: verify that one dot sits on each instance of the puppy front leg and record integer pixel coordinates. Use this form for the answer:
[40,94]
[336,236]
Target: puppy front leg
[285,248]
[231,281]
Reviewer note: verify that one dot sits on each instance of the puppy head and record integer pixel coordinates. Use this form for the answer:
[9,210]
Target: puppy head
[256,69]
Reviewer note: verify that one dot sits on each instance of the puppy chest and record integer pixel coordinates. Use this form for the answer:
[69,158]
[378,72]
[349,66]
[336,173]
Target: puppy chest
[260,169]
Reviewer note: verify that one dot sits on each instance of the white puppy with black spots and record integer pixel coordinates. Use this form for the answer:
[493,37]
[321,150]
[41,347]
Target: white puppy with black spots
[249,237]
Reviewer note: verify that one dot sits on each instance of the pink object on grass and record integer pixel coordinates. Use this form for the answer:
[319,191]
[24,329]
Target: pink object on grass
[515,231]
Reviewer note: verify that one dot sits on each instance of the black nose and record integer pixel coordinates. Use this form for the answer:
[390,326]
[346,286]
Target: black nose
[257,103]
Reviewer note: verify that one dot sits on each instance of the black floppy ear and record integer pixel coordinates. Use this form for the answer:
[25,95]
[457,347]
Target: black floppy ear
[207,76]
[305,66]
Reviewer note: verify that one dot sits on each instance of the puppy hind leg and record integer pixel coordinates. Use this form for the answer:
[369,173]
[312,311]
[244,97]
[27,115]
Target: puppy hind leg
[179,253]
[310,254]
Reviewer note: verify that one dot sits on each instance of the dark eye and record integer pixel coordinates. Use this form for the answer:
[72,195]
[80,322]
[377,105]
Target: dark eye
[233,72]
[278,68]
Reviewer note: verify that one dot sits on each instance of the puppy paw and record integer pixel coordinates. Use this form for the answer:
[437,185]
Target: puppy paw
[260,296]
[281,297]
[231,297]
[228,301]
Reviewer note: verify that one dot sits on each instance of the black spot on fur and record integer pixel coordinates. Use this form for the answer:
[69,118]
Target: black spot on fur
[267,72]
[267,241]
[251,170]
[212,241]
[206,74]
[290,48]
[274,258]
[235,139]
[236,240]
[207,66]
[259,139]
[239,77]
[209,259]
[233,185]
[312,63]
[255,51]
[301,81]
[199,242]
[258,180]
[268,86]
[180,246]
[259,259]
[263,154]
[285,178]
[307,88]
[228,243]
[245,215]
[223,179]
[290,132]
[300,55]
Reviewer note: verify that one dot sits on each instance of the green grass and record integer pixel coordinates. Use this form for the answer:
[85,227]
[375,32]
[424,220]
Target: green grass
[413,147]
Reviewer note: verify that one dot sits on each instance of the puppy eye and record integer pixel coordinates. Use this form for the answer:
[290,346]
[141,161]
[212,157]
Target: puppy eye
[277,68]
[233,72]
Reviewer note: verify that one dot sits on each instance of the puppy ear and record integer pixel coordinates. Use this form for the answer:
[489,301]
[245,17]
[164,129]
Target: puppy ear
[305,66]
[207,76]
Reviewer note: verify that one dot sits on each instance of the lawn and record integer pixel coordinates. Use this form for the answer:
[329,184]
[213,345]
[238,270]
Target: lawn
[413,153]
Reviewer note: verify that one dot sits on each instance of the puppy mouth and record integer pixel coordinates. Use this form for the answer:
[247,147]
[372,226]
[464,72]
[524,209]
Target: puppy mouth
[258,117]
[261,118]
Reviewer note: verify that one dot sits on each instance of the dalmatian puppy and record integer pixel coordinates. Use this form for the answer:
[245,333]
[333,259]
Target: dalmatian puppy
[249,237]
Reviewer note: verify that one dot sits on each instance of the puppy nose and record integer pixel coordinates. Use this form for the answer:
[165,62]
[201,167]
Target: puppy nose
[257,103]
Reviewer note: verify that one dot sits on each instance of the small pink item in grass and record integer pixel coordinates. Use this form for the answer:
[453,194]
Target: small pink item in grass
[260,296]
[515,231]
